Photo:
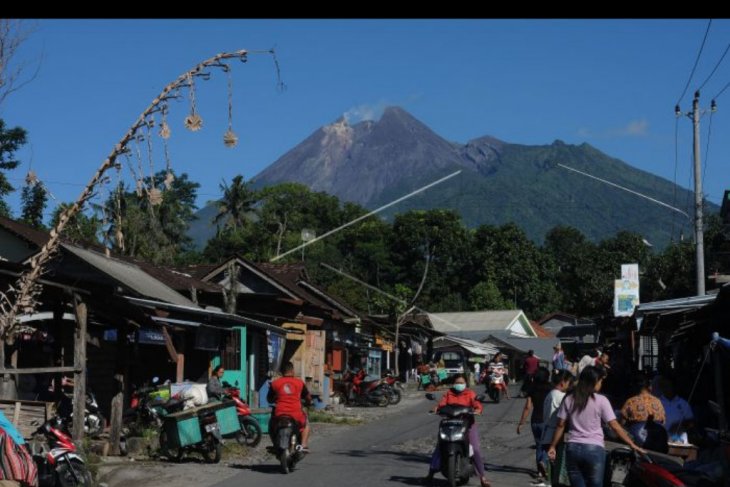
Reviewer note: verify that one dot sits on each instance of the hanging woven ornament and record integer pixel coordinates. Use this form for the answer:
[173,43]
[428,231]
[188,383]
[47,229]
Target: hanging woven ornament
[31,179]
[155,196]
[169,179]
[165,131]
[230,139]
[193,122]
[139,189]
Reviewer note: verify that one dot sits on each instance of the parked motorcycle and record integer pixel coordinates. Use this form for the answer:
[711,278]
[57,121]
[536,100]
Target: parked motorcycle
[453,445]
[393,381]
[367,392]
[94,421]
[286,437]
[250,434]
[627,468]
[58,463]
[495,387]
[210,444]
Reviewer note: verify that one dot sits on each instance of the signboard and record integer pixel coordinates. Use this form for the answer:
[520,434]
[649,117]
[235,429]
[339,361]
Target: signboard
[626,291]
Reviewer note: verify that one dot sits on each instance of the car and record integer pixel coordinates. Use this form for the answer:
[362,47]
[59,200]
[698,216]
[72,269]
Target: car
[454,361]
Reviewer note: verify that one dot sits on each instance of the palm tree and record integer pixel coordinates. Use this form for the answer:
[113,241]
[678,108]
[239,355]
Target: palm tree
[238,200]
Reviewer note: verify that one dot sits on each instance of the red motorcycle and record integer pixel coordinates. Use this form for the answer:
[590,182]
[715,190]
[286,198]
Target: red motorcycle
[58,463]
[250,433]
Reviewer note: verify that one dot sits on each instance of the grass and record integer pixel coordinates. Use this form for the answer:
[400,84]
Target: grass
[324,417]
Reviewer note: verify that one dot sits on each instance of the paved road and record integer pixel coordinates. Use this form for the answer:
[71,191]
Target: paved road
[396,450]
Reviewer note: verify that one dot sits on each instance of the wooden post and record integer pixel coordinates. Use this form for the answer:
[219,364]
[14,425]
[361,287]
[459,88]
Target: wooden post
[115,432]
[180,371]
[79,401]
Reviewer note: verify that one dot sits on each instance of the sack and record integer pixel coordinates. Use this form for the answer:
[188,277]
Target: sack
[195,395]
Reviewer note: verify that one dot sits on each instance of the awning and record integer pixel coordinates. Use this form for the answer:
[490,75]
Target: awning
[191,316]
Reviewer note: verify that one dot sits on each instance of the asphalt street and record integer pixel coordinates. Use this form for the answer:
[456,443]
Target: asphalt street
[395,450]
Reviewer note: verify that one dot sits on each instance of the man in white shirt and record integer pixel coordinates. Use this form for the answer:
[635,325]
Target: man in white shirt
[678,412]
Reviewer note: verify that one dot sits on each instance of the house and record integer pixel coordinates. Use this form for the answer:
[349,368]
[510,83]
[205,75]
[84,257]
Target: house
[478,325]
[325,334]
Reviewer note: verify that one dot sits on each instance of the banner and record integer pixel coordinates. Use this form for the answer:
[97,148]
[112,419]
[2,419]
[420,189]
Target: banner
[626,291]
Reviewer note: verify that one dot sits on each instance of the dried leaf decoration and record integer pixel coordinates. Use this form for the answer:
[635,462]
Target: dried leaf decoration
[169,178]
[155,196]
[193,122]
[140,188]
[31,179]
[230,139]
[165,131]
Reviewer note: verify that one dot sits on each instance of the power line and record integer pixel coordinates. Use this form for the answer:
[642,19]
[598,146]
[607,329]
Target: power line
[699,54]
[721,91]
[715,68]
[707,148]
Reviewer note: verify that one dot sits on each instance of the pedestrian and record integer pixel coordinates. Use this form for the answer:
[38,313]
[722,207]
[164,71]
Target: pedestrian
[530,368]
[460,395]
[562,381]
[643,414]
[558,358]
[536,393]
[679,416]
[584,410]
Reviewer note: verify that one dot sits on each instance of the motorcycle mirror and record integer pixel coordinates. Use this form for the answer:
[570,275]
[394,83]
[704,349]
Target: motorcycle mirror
[155,380]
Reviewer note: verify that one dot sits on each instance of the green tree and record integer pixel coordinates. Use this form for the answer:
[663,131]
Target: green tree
[238,201]
[81,228]
[11,139]
[34,198]
[486,295]
[153,232]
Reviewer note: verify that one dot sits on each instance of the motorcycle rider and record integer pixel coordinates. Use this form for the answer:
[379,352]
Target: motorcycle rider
[497,368]
[460,395]
[214,389]
[288,392]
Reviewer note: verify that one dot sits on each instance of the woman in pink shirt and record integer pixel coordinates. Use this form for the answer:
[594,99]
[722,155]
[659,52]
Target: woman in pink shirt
[584,411]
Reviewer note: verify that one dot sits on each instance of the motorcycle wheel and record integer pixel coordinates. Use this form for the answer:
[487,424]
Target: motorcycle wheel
[451,476]
[73,473]
[383,400]
[284,461]
[394,396]
[212,449]
[341,397]
[167,450]
[250,434]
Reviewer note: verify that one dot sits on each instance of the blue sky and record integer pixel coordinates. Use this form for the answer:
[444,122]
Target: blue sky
[611,83]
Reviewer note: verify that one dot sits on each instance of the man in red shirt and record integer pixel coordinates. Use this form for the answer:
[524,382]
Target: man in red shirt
[288,392]
[530,368]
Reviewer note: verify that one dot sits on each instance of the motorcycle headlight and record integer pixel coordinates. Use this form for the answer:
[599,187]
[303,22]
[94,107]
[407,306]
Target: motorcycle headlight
[452,435]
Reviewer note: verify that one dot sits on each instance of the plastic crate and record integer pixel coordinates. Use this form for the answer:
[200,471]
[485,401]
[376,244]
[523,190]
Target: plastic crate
[227,420]
[262,416]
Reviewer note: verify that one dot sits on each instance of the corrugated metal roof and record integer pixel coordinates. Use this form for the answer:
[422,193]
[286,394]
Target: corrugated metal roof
[130,275]
[543,347]
[474,320]
[471,345]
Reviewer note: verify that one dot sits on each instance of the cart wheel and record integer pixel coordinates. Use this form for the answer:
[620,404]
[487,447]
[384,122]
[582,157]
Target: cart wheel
[167,450]
[212,449]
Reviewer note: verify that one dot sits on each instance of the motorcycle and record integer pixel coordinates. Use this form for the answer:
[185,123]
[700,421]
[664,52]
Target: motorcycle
[393,381]
[627,468]
[58,463]
[453,445]
[94,421]
[250,434]
[286,437]
[495,387]
[366,393]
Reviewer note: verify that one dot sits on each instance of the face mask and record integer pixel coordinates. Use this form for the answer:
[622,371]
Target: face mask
[459,387]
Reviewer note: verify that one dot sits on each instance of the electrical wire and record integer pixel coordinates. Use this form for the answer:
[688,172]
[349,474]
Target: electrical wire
[715,68]
[699,55]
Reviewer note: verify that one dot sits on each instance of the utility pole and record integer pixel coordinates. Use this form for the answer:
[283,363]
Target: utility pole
[699,233]
[695,115]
